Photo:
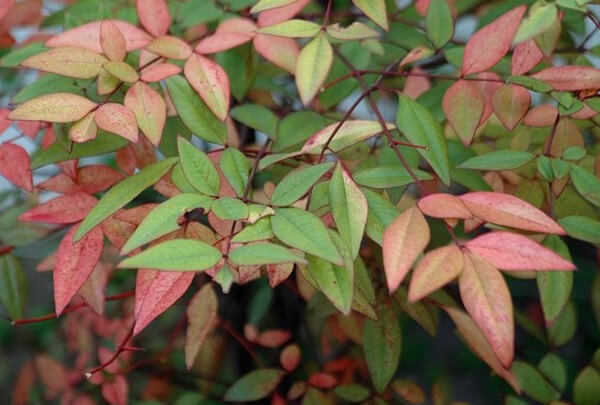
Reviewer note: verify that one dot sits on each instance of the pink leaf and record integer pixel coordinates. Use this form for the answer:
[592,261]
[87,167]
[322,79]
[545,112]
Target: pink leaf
[281,14]
[436,269]
[570,77]
[488,45]
[463,105]
[507,210]
[65,209]
[542,115]
[116,392]
[92,291]
[74,264]
[282,52]
[4,121]
[149,108]
[170,47]
[118,119]
[154,16]
[487,299]
[488,85]
[52,374]
[526,56]
[161,71]
[403,241]
[16,166]
[510,104]
[155,292]
[511,251]
[201,315]
[112,41]
[229,34]
[211,82]
[443,205]
[88,36]
[416,84]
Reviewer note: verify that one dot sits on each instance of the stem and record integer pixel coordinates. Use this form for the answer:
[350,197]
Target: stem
[122,347]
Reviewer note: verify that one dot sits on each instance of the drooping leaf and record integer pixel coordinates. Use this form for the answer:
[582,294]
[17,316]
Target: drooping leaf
[314,63]
[123,193]
[403,241]
[56,107]
[149,108]
[297,183]
[254,386]
[201,315]
[421,128]
[463,104]
[67,61]
[436,269]
[211,82]
[13,286]
[65,209]
[375,10]
[154,16]
[15,165]
[506,159]
[555,286]
[175,255]
[306,232]
[198,168]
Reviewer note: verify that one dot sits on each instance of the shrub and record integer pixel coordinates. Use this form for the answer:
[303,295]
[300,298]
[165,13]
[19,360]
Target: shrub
[247,200]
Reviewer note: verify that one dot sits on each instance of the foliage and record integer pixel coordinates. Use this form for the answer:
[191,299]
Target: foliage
[209,168]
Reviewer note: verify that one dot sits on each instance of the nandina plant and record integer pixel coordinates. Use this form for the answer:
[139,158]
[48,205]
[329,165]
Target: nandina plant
[244,200]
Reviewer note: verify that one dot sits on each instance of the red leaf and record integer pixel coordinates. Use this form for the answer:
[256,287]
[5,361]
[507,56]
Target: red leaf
[211,82]
[29,128]
[154,16]
[116,392]
[65,209]
[155,292]
[526,56]
[202,317]
[541,116]
[92,291]
[511,251]
[161,71]
[323,380]
[74,264]
[436,269]
[507,210]
[488,45]
[443,205]
[488,85]
[487,299]
[229,34]
[282,52]
[4,121]
[280,14]
[290,357]
[570,77]
[16,166]
[118,119]
[273,337]
[90,180]
[510,104]
[463,105]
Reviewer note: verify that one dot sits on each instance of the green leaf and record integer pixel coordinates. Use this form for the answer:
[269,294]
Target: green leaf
[123,193]
[586,390]
[194,113]
[586,184]
[439,23]
[256,117]
[381,213]
[236,169]
[421,128]
[47,84]
[352,392]
[530,83]
[574,153]
[582,228]
[555,370]
[349,208]
[314,396]
[555,286]
[175,255]
[563,330]
[263,253]
[163,219]
[294,28]
[306,232]
[540,19]
[229,209]
[254,386]
[382,342]
[533,383]
[375,10]
[388,176]
[198,168]
[297,183]
[15,57]
[13,286]
[261,230]
[498,160]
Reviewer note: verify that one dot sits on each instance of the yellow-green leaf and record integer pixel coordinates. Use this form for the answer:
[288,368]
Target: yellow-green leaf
[375,10]
[314,63]
[67,61]
[198,168]
[57,107]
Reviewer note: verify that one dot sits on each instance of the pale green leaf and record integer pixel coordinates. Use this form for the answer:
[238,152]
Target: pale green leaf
[198,168]
[297,183]
[498,160]
[312,67]
[229,209]
[236,169]
[439,23]
[263,253]
[13,286]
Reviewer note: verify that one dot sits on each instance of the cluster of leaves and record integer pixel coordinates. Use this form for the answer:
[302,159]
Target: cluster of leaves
[244,118]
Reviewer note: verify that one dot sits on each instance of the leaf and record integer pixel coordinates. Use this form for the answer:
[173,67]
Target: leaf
[16,56]
[533,383]
[541,18]
[229,209]
[506,159]
[193,111]
[202,314]
[292,29]
[586,389]
[375,10]
[118,119]
[555,286]
[510,104]
[304,231]
[15,165]
[312,68]
[436,269]
[236,169]
[154,16]
[159,71]
[587,184]
[349,208]
[443,205]
[282,52]
[66,209]
[67,61]
[255,385]
[56,107]
[75,261]
[488,45]
[382,343]
[388,176]
[198,168]
[487,299]
[264,5]
[439,23]
[350,133]
[163,219]
[116,391]
[421,128]
[211,82]
[170,47]
[354,31]
[258,117]
[123,193]
[403,241]
[463,104]
[175,255]
[261,230]
[263,253]
[570,78]
[149,108]
[297,183]
[122,71]
[84,130]
[526,56]
[112,41]
[155,292]
[507,210]
[511,251]
[582,228]
[13,286]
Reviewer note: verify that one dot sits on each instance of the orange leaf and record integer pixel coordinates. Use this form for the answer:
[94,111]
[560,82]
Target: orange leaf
[463,105]
[282,52]
[112,41]
[443,205]
[211,82]
[510,104]
[154,16]
[436,269]
[403,241]
[16,166]
[120,120]
[487,299]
